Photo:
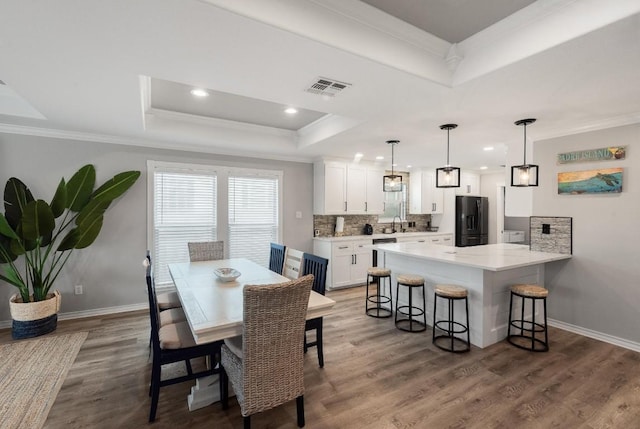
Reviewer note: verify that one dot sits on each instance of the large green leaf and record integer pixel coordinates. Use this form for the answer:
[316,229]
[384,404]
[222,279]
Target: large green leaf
[11,276]
[83,235]
[69,241]
[5,228]
[95,208]
[80,187]
[116,186]
[6,254]
[59,201]
[88,232]
[16,197]
[37,220]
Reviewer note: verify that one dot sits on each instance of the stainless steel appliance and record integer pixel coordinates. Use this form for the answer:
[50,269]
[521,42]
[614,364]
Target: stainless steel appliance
[472,221]
[381,241]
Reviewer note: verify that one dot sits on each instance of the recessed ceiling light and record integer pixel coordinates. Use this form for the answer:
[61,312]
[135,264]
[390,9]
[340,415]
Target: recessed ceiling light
[359,155]
[484,167]
[197,92]
[488,148]
[408,166]
[290,110]
[379,157]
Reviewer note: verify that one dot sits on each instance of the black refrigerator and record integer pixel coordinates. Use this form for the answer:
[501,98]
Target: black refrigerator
[472,221]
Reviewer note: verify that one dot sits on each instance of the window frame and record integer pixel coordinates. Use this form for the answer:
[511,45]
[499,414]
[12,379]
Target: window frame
[222,173]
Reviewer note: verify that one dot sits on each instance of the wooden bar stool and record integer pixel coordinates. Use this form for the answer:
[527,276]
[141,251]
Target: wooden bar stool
[526,339]
[449,326]
[375,302]
[408,314]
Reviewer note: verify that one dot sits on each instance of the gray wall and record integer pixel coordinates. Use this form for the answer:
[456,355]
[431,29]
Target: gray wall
[599,288]
[110,270]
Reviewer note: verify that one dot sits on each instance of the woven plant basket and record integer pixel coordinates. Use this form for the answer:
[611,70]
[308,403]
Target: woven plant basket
[32,319]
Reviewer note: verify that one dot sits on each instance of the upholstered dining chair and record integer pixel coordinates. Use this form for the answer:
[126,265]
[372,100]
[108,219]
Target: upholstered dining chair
[165,300]
[276,257]
[171,343]
[316,265]
[292,263]
[206,251]
[265,364]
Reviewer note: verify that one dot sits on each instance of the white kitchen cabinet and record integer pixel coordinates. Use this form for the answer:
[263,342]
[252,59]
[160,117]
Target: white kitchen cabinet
[469,184]
[424,197]
[341,188]
[375,194]
[348,261]
[444,239]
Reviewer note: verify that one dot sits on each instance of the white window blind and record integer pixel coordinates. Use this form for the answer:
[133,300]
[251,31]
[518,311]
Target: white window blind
[184,211]
[253,215]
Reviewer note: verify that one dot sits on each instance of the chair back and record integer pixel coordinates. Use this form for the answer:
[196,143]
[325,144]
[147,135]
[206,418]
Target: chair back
[206,251]
[292,264]
[272,337]
[276,257]
[316,265]
[153,306]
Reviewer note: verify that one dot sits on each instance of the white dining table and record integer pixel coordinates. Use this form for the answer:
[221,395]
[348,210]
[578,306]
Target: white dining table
[214,308]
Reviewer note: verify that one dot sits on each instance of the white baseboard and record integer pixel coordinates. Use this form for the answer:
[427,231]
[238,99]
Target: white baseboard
[631,345]
[90,313]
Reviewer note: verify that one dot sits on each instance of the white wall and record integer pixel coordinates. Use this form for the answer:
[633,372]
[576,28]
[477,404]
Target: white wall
[599,288]
[489,188]
[110,270]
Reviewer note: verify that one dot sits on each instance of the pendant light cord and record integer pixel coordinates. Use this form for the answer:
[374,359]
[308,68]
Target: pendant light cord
[525,144]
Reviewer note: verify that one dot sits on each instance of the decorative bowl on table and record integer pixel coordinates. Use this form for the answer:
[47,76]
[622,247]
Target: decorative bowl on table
[227,274]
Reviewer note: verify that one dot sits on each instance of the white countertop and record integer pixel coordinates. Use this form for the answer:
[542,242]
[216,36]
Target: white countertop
[492,257]
[376,236]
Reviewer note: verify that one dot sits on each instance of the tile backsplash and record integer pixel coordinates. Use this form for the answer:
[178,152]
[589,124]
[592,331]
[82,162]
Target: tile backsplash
[354,224]
[551,234]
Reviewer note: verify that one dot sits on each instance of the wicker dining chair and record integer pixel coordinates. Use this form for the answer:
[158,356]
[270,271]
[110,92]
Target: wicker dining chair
[266,364]
[276,257]
[316,265]
[171,343]
[206,251]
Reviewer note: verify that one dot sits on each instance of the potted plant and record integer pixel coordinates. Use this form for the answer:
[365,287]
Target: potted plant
[37,238]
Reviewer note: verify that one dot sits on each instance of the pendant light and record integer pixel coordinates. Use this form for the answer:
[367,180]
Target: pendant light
[392,182]
[448,176]
[525,174]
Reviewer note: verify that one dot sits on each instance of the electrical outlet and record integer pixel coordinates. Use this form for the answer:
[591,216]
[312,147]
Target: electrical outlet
[78,290]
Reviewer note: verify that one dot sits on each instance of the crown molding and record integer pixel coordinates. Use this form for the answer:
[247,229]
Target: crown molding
[220,123]
[139,142]
[586,127]
[533,29]
[354,27]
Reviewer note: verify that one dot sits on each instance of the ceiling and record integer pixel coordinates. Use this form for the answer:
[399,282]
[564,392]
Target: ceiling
[120,72]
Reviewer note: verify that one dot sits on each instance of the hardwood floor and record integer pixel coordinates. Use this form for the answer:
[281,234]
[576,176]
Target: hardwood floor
[375,376]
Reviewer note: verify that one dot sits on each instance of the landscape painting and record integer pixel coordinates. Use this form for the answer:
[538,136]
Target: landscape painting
[604,180]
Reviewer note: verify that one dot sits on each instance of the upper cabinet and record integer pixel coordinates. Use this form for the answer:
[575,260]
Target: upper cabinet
[341,188]
[469,184]
[424,197]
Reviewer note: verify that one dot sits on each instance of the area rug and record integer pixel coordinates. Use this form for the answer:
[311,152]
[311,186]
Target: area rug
[31,375]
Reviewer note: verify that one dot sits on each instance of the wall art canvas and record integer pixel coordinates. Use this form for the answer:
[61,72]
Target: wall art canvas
[603,180]
[611,153]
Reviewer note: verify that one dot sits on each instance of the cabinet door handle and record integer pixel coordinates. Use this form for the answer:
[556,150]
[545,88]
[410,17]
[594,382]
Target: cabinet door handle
[355,259]
[365,207]
[343,247]
[345,206]
[433,207]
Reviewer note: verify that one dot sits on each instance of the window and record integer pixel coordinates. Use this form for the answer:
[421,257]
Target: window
[395,204]
[242,207]
[253,216]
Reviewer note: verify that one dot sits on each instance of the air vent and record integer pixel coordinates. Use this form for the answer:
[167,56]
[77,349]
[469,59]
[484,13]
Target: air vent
[327,87]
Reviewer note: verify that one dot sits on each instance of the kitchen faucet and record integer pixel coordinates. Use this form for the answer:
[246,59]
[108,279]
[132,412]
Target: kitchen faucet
[393,223]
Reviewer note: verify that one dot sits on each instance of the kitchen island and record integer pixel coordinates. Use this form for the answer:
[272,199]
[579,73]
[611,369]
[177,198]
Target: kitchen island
[486,271]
